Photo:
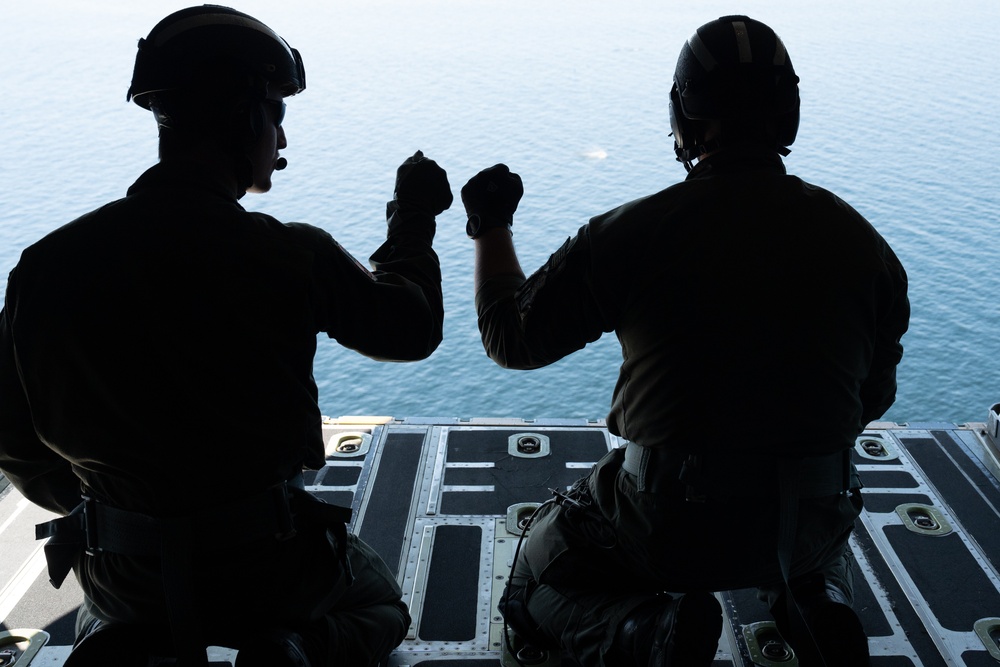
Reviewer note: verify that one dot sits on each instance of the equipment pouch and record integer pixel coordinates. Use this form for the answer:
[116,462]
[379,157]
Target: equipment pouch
[513,606]
[67,540]
[314,511]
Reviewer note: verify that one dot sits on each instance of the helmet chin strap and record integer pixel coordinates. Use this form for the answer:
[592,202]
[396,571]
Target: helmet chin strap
[162,119]
[687,156]
[244,172]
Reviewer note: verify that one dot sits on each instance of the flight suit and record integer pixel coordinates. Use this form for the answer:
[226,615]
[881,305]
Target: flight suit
[759,319]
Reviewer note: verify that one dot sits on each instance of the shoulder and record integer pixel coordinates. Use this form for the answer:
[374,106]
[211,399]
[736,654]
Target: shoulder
[85,231]
[835,208]
[637,221]
[285,232]
[310,237]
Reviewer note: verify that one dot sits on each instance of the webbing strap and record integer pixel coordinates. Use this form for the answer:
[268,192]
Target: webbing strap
[176,560]
[66,537]
[789,483]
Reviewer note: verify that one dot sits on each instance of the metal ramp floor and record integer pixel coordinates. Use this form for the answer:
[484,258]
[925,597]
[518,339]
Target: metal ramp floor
[441,499]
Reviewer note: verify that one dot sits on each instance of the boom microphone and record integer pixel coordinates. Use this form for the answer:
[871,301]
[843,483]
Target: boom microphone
[280,164]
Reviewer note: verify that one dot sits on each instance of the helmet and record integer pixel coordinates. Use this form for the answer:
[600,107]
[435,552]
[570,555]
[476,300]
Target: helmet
[734,70]
[181,47]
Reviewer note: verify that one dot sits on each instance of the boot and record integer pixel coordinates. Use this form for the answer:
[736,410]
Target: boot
[110,644]
[672,632]
[274,648]
[821,627]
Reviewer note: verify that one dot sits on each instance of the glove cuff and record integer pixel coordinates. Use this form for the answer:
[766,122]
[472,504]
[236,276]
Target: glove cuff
[411,221]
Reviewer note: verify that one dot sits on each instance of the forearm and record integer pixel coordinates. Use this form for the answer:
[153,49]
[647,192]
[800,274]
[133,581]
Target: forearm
[407,282]
[490,200]
[495,256]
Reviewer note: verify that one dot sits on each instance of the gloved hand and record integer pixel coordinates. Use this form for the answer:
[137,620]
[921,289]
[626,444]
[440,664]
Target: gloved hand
[421,185]
[493,194]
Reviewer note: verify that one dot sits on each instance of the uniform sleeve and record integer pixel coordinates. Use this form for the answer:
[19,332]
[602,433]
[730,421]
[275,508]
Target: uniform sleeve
[878,392]
[394,312]
[44,477]
[555,312]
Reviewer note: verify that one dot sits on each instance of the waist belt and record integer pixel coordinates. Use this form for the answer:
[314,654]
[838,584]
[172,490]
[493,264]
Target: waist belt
[95,527]
[699,477]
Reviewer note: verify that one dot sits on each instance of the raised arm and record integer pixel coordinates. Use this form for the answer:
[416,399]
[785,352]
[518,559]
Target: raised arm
[490,199]
[400,299]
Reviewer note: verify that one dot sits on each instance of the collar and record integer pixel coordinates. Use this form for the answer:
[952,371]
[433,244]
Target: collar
[736,159]
[185,175]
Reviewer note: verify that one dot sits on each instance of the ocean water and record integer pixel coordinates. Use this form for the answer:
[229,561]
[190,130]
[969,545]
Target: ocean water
[899,106]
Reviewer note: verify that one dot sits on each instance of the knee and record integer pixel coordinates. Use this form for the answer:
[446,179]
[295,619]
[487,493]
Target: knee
[513,606]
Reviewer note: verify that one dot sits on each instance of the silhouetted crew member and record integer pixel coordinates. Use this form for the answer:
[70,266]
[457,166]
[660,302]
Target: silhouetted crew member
[760,319]
[156,358]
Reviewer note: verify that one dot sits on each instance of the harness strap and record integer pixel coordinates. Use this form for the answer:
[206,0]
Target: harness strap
[177,568]
[697,477]
[790,484]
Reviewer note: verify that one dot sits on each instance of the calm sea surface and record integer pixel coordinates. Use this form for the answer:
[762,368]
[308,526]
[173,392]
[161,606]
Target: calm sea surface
[900,104]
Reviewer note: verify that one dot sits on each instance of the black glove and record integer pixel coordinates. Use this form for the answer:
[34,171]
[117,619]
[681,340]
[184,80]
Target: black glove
[422,186]
[493,194]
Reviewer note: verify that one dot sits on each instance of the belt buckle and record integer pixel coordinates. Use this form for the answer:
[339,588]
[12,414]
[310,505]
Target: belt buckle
[690,475]
[90,544]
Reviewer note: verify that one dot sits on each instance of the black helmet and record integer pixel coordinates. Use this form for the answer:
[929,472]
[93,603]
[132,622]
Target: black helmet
[184,44]
[734,70]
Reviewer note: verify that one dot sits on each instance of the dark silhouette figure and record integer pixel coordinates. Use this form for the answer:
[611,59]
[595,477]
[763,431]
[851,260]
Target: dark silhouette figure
[760,319]
[156,376]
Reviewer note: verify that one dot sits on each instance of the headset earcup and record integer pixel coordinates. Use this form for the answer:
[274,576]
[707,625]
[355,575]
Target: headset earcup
[257,120]
[689,134]
[246,122]
[675,124]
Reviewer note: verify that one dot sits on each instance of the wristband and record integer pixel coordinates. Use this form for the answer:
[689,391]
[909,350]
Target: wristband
[477,224]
